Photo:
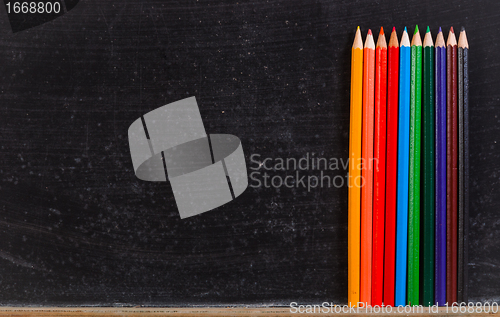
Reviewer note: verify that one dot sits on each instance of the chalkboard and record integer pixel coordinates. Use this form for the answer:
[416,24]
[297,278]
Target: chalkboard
[77,227]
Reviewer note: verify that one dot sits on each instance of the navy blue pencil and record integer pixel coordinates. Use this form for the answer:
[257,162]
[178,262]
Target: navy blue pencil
[440,252]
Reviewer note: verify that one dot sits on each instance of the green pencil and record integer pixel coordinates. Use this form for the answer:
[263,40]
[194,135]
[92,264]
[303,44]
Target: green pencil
[414,180]
[428,170]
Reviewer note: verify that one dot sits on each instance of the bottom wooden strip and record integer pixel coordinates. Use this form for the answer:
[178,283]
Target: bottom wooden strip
[213,311]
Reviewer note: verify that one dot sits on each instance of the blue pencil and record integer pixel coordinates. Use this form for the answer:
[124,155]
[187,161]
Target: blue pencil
[440,252]
[403,170]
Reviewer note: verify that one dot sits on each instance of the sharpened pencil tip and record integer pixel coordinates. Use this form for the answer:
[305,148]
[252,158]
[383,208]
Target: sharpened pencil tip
[462,29]
[428,30]
[369,42]
[440,30]
[452,40]
[428,39]
[405,39]
[357,28]
[462,40]
[393,29]
[381,30]
[416,40]
[358,41]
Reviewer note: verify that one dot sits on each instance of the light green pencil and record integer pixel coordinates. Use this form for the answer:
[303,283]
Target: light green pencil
[414,180]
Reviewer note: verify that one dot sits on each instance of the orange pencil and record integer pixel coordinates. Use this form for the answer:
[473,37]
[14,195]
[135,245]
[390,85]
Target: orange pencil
[367,169]
[354,191]
[379,169]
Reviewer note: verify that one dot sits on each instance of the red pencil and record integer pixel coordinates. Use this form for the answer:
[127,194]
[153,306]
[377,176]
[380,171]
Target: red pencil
[452,170]
[379,169]
[391,171]
[365,287]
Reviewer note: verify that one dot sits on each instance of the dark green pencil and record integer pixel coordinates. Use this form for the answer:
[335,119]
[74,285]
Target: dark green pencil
[428,171]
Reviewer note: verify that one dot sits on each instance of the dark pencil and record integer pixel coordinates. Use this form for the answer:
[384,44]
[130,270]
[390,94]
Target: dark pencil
[428,170]
[452,169]
[462,239]
[460,90]
[466,169]
[440,253]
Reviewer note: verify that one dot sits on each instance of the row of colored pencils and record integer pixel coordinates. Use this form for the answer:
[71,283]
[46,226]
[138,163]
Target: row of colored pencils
[407,221]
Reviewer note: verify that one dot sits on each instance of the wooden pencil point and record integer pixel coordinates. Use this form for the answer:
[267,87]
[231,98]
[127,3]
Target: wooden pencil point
[369,43]
[358,41]
[440,39]
[452,40]
[393,41]
[381,42]
[416,40]
[462,39]
[428,40]
[405,40]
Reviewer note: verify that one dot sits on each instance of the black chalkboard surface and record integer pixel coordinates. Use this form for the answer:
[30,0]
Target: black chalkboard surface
[78,228]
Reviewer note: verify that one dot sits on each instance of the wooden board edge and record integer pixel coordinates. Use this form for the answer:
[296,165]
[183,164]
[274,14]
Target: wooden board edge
[200,311]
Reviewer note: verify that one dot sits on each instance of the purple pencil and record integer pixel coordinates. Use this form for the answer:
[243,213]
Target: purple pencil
[440,252]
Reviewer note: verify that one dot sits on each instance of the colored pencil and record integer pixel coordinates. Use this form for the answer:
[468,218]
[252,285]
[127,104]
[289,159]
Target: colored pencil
[379,169]
[466,165]
[354,199]
[462,181]
[440,253]
[367,170]
[452,174]
[460,102]
[391,171]
[428,133]
[414,179]
[403,166]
